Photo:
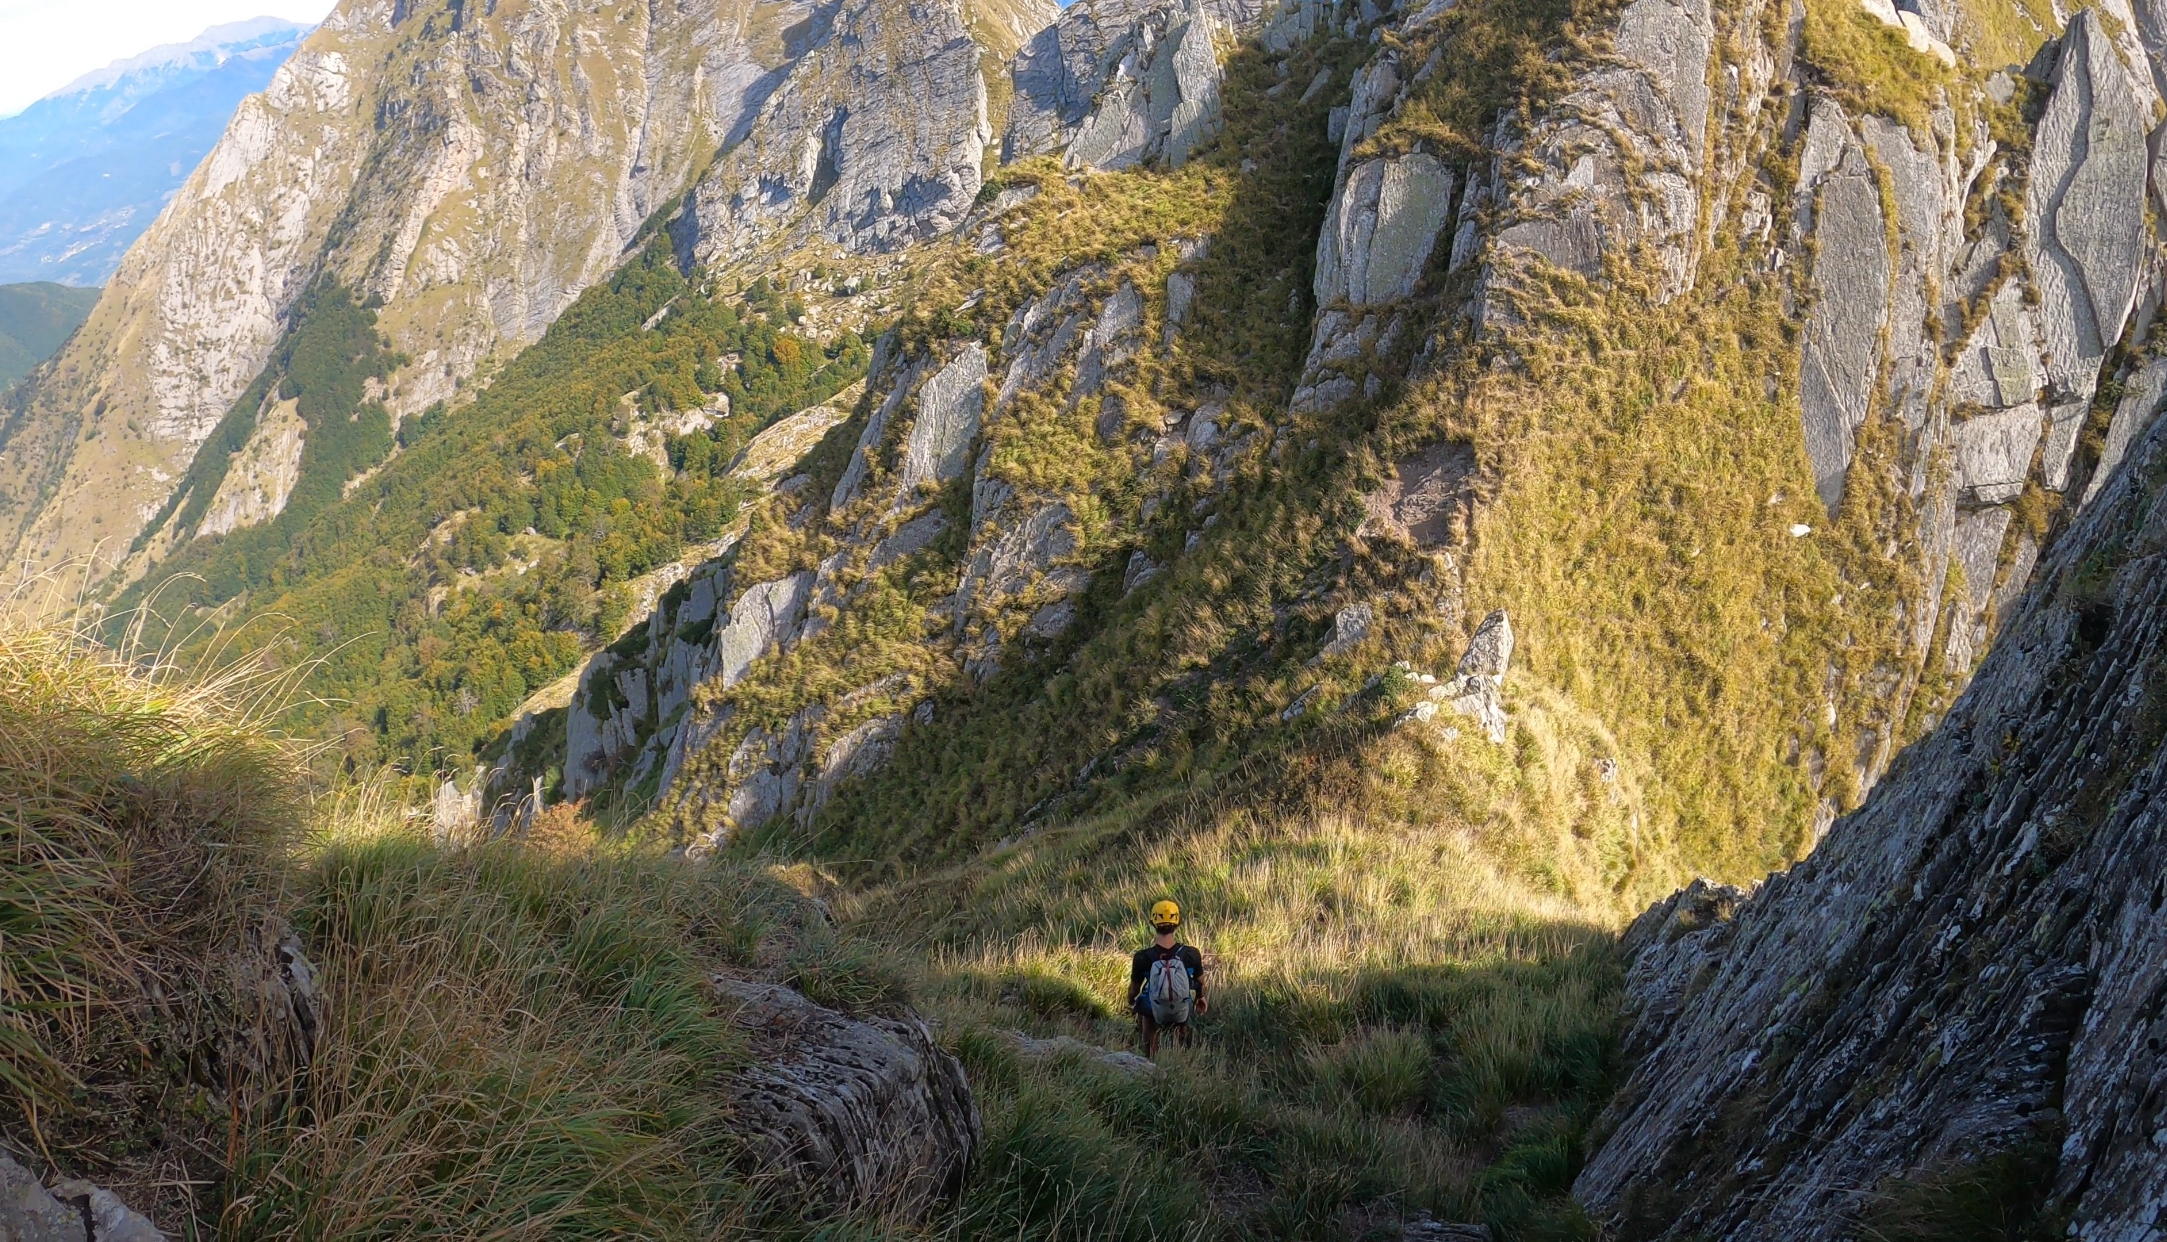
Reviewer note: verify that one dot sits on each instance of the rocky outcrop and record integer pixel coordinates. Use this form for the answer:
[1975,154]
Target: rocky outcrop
[262,474]
[1840,366]
[1967,967]
[941,435]
[1117,83]
[1381,229]
[2086,203]
[873,141]
[777,451]
[1649,110]
[70,1211]
[842,1113]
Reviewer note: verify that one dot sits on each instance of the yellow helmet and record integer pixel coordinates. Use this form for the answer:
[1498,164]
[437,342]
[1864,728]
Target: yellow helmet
[1165,914]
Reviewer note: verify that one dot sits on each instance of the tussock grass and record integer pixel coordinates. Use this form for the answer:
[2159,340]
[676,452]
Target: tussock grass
[518,1039]
[524,1045]
[144,819]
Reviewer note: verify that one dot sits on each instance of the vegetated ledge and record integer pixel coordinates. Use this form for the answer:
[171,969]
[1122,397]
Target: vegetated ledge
[1947,1022]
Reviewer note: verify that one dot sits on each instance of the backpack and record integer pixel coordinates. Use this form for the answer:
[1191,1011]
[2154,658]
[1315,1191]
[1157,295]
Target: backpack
[1168,990]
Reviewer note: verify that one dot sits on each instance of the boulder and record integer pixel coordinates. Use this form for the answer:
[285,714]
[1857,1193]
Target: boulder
[1381,228]
[1489,652]
[1062,1047]
[948,411]
[1350,628]
[845,1113]
[72,1211]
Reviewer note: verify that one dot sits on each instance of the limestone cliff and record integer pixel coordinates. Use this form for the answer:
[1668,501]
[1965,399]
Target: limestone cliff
[471,170]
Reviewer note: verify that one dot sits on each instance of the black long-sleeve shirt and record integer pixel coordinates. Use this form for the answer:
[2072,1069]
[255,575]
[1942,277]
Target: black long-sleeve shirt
[1140,966]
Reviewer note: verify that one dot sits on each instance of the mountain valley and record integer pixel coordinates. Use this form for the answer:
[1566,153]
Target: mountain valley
[1600,548]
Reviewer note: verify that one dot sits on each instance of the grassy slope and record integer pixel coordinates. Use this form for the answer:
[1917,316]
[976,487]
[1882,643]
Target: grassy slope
[521,1040]
[35,320]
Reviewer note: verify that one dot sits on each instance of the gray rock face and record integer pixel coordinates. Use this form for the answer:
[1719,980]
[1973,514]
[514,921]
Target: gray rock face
[871,142]
[1381,228]
[1116,83]
[72,1211]
[2086,195]
[451,812]
[845,1113]
[766,771]
[1350,629]
[876,426]
[1994,453]
[1999,366]
[2132,415]
[1581,204]
[764,617]
[949,407]
[1489,652]
[1063,1046]
[1017,558]
[1968,964]
[1843,335]
[1916,186]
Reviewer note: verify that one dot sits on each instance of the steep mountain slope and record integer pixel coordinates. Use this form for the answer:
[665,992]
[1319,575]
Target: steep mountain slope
[471,172]
[35,321]
[1947,1021]
[84,171]
[1545,340]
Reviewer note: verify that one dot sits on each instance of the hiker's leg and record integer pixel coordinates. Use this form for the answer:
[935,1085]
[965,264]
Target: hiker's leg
[1150,1031]
[1181,1034]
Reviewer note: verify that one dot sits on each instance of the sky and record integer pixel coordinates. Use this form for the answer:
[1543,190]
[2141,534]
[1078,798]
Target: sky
[46,44]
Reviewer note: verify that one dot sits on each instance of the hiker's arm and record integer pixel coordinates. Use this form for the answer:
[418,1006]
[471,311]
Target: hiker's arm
[1136,977]
[1202,1004]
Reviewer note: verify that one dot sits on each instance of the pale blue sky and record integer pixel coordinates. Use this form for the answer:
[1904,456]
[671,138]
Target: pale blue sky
[46,44]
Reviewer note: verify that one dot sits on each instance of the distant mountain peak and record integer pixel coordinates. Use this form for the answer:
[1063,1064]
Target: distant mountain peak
[212,47]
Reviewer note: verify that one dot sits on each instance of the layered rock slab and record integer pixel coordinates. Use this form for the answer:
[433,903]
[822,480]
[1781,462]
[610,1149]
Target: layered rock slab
[842,1112]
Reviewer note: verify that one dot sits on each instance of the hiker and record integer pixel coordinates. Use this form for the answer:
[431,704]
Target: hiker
[1166,981]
